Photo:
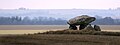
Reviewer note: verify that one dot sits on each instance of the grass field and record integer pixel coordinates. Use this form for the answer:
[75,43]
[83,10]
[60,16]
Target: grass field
[25,29]
[9,36]
[59,39]
[50,27]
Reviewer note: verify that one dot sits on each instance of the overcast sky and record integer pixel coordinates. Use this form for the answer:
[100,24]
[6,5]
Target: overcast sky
[59,4]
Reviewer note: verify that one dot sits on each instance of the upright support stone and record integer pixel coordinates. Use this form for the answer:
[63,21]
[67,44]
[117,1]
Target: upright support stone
[97,28]
[72,27]
[82,26]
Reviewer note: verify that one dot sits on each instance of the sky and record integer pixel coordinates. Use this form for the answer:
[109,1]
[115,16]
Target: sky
[59,4]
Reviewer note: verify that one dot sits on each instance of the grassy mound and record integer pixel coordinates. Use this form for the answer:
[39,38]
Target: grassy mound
[63,37]
[88,32]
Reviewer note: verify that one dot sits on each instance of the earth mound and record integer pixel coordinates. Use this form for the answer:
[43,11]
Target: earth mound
[82,32]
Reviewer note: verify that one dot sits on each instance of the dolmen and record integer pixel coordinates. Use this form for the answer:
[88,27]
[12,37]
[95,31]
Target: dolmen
[83,22]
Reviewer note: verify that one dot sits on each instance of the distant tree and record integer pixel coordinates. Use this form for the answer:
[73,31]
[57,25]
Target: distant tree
[118,8]
[104,21]
[16,20]
[26,20]
[108,20]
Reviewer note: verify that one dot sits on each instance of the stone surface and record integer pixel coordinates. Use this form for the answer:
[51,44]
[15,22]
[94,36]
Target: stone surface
[82,26]
[97,28]
[73,27]
[83,21]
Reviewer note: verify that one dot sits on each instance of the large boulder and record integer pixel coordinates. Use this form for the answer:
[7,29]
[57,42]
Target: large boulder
[83,21]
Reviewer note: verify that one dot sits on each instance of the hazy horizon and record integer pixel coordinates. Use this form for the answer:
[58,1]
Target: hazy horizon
[60,13]
[59,4]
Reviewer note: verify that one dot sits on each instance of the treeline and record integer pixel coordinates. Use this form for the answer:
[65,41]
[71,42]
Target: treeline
[16,20]
[28,21]
[107,21]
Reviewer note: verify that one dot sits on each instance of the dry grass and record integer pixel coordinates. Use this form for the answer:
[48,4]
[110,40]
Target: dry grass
[50,27]
[63,37]
[88,32]
[21,31]
[59,39]
[32,27]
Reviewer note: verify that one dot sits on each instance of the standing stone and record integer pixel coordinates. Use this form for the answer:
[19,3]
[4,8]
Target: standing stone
[97,28]
[82,26]
[72,27]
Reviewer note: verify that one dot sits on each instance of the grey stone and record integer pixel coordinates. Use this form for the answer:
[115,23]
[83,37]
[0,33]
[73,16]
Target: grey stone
[82,26]
[97,28]
[72,27]
[83,21]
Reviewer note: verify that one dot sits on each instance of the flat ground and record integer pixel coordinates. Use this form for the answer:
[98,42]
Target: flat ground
[59,39]
[55,39]
[25,29]
[50,27]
